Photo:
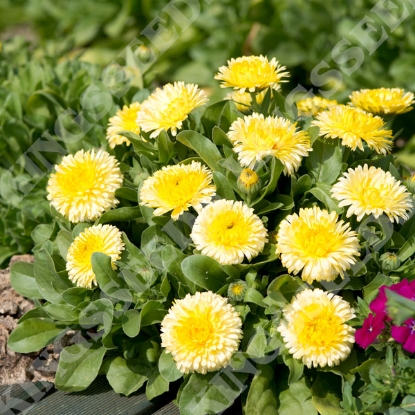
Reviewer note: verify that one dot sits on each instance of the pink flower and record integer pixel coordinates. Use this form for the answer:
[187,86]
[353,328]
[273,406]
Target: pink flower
[378,305]
[372,327]
[405,335]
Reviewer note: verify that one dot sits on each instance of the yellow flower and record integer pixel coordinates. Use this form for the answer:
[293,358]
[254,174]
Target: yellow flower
[255,137]
[227,231]
[372,191]
[316,243]
[167,108]
[178,188]
[251,73]
[243,100]
[84,185]
[383,100]
[248,181]
[314,328]
[99,238]
[202,332]
[310,107]
[354,126]
[123,120]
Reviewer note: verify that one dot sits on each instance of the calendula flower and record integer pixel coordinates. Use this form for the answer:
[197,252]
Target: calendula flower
[372,191]
[123,120]
[316,243]
[251,73]
[84,185]
[228,231]
[202,332]
[310,107]
[354,126]
[167,108]
[243,100]
[178,188]
[248,181]
[255,137]
[314,328]
[383,100]
[97,238]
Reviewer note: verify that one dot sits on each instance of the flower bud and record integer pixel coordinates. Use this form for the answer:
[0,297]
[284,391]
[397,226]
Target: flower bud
[236,290]
[389,261]
[249,182]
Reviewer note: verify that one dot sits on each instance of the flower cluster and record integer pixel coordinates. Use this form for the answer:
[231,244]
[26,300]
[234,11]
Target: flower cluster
[231,235]
[379,321]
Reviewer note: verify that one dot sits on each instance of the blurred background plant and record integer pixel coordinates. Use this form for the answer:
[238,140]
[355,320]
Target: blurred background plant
[51,51]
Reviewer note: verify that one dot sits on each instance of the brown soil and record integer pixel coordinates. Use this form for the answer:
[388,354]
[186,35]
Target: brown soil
[16,367]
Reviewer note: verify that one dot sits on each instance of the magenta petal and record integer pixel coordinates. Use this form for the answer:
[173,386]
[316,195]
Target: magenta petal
[400,333]
[409,345]
[378,305]
[364,338]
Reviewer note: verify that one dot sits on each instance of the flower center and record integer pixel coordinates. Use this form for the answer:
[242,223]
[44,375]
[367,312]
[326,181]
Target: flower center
[228,229]
[317,326]
[196,330]
[318,241]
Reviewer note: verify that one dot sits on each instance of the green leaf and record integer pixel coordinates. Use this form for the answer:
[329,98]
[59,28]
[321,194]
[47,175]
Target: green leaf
[210,393]
[407,249]
[223,188]
[202,146]
[61,312]
[120,215]
[296,400]
[168,368]
[262,398]
[324,163]
[156,385]
[221,114]
[107,279]
[153,312]
[220,138]
[302,185]
[127,193]
[322,192]
[131,322]
[408,403]
[371,290]
[204,272]
[254,296]
[296,368]
[165,148]
[99,312]
[399,308]
[23,280]
[64,240]
[49,282]
[31,335]
[77,295]
[276,170]
[127,376]
[78,366]
[257,344]
[326,391]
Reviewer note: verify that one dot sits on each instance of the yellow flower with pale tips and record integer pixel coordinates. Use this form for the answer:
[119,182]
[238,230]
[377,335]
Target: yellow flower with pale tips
[97,238]
[251,73]
[83,186]
[166,108]
[310,107]
[354,126]
[255,137]
[372,191]
[202,332]
[383,100]
[123,120]
[317,244]
[228,231]
[315,330]
[177,188]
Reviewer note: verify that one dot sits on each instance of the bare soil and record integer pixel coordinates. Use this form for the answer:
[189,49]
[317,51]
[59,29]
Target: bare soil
[16,367]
